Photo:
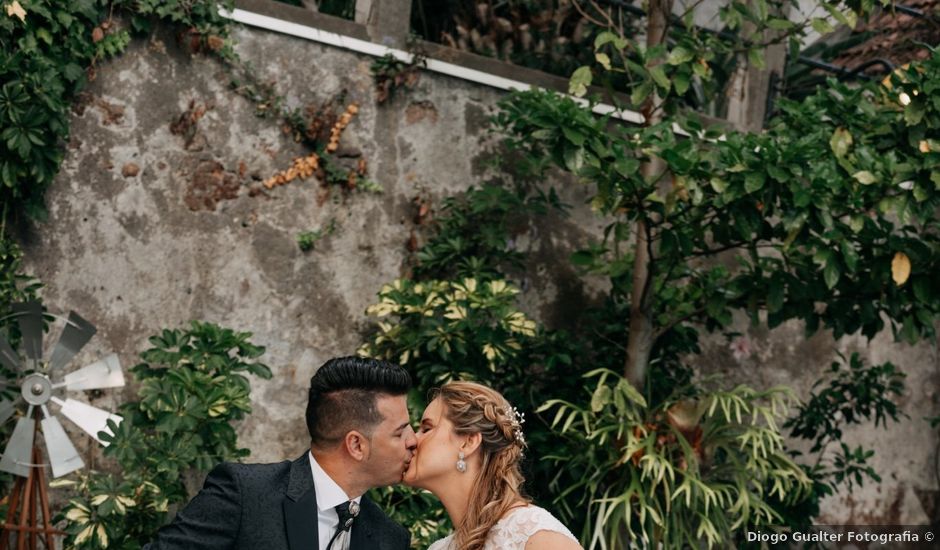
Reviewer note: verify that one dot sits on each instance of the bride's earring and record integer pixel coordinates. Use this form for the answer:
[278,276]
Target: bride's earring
[461,463]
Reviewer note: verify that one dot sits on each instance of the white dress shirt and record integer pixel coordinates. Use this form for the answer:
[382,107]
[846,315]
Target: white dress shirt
[329,495]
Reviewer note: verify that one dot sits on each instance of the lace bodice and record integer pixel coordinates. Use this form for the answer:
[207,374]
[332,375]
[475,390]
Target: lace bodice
[514,530]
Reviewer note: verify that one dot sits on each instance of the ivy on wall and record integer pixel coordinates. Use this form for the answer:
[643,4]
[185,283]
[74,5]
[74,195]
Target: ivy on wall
[46,49]
[49,51]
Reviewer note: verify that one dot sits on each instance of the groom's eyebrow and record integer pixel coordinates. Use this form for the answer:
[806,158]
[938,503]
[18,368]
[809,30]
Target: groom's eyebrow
[403,426]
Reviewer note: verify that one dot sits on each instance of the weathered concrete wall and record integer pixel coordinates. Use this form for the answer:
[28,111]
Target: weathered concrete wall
[131,254]
[128,250]
[905,452]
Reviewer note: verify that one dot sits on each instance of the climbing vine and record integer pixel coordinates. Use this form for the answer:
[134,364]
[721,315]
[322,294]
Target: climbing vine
[49,51]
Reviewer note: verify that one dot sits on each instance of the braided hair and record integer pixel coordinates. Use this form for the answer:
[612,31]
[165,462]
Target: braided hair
[474,408]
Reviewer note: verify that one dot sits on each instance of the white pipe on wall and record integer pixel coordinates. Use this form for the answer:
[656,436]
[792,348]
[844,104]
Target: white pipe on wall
[378,50]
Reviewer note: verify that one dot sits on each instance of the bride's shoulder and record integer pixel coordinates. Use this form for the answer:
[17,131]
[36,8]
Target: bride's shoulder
[441,544]
[525,521]
[530,514]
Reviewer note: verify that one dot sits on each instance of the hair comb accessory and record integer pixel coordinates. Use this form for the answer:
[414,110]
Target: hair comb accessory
[518,419]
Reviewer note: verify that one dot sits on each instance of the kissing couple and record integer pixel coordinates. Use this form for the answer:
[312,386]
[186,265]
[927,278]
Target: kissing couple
[466,452]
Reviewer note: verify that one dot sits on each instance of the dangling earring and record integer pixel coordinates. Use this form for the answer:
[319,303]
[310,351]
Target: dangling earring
[461,463]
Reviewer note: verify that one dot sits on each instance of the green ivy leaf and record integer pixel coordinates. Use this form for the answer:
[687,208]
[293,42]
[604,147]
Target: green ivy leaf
[849,255]
[574,158]
[856,223]
[679,55]
[821,26]
[582,258]
[608,37]
[580,80]
[832,272]
[753,181]
[865,177]
[914,112]
[72,72]
[627,167]
[681,83]
[840,142]
[659,76]
[779,24]
[641,92]
[756,57]
[575,137]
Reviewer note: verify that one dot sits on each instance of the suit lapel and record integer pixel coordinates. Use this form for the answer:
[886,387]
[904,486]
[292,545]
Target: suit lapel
[362,534]
[300,507]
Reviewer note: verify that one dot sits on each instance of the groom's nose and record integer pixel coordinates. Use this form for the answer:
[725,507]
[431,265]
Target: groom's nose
[411,441]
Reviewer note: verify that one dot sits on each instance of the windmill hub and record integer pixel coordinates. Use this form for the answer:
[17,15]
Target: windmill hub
[36,389]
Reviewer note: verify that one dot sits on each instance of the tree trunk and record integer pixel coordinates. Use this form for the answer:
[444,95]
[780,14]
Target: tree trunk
[751,88]
[641,330]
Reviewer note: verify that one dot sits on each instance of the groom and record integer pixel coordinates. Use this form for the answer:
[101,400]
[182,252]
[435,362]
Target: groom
[361,438]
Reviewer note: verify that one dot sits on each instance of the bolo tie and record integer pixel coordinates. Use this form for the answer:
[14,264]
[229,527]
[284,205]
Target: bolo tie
[347,513]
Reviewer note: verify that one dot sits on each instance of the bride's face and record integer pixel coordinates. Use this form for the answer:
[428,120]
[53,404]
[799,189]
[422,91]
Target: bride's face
[436,456]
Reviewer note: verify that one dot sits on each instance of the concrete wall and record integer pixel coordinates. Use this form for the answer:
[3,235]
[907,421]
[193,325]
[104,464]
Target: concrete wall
[137,250]
[134,253]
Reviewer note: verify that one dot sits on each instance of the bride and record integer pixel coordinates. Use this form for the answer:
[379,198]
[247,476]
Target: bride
[469,446]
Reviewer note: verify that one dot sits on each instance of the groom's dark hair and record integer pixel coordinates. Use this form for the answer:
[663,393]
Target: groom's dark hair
[342,397]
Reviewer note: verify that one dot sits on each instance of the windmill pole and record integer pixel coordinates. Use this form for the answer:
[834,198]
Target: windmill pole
[28,493]
[44,501]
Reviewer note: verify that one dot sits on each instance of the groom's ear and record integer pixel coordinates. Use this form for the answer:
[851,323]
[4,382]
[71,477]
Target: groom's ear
[472,443]
[357,445]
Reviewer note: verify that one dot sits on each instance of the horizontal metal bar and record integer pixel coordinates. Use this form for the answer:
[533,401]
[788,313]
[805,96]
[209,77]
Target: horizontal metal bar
[434,65]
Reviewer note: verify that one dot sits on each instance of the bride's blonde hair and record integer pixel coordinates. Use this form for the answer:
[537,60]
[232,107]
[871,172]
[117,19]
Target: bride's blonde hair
[474,408]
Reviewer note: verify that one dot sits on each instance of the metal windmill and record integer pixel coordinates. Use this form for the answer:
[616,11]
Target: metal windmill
[37,382]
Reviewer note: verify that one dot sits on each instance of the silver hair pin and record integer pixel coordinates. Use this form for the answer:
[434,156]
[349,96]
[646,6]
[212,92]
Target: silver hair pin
[518,419]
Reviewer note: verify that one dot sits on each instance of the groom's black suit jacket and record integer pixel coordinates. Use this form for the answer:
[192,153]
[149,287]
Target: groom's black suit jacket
[268,507]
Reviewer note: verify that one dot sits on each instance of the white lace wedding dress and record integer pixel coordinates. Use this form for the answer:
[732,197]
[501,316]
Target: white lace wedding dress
[514,530]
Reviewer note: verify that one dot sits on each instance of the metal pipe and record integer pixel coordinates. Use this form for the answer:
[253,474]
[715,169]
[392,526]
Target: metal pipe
[913,12]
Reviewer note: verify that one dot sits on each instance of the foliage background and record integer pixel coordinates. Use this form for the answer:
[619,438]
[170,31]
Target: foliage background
[329,323]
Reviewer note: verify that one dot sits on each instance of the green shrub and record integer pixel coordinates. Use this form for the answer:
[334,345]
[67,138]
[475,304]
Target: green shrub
[193,385]
[453,330]
[474,236]
[43,59]
[680,474]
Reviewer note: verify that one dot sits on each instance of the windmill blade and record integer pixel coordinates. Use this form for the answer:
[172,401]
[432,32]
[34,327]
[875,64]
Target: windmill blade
[77,333]
[8,357]
[105,373]
[90,419]
[6,410]
[63,457]
[18,454]
[29,315]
